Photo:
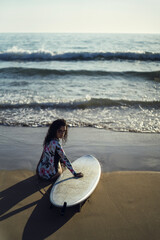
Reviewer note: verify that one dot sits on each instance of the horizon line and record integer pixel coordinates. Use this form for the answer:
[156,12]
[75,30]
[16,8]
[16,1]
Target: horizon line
[84,32]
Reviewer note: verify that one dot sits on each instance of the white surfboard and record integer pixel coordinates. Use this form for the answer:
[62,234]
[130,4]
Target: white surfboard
[72,191]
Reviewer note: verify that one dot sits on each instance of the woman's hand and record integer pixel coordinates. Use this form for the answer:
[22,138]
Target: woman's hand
[78,175]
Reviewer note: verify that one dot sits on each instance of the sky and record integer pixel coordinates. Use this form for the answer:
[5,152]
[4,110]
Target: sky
[101,16]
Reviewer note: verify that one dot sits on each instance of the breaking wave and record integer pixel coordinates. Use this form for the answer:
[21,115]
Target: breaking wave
[29,72]
[92,103]
[16,54]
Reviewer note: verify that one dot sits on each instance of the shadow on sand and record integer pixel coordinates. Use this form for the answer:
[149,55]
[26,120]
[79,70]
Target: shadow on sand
[44,220]
[18,192]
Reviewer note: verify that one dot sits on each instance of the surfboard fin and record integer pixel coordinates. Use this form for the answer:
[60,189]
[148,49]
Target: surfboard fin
[63,209]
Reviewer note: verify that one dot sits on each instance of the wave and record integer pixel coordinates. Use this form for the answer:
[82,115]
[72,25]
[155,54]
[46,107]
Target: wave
[30,72]
[92,103]
[16,54]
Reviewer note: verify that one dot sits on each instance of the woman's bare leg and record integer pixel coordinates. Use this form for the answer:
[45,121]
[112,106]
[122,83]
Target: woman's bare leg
[59,172]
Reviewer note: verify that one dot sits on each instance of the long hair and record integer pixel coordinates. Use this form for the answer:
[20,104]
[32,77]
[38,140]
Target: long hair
[52,131]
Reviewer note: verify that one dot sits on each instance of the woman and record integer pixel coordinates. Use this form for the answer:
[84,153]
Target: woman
[49,166]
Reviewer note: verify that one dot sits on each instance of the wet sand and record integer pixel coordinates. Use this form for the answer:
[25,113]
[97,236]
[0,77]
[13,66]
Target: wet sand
[21,147]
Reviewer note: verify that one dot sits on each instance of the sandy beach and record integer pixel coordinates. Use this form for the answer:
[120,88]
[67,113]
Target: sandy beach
[125,204]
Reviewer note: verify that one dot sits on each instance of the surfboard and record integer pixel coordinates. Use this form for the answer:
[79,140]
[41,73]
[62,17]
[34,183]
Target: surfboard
[68,190]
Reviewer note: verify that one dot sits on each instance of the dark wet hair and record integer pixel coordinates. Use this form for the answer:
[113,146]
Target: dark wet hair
[52,131]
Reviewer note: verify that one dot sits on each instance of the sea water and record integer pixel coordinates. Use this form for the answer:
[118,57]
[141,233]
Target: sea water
[109,81]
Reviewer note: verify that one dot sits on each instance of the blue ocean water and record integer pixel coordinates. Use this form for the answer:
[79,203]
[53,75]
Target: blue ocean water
[109,81]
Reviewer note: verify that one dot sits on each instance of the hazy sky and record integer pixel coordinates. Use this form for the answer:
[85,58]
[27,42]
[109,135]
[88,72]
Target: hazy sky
[112,16]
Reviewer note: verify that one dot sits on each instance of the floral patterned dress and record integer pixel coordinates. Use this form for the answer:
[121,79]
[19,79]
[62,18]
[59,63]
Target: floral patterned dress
[47,166]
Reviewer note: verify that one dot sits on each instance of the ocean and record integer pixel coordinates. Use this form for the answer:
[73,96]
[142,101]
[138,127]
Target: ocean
[109,81]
